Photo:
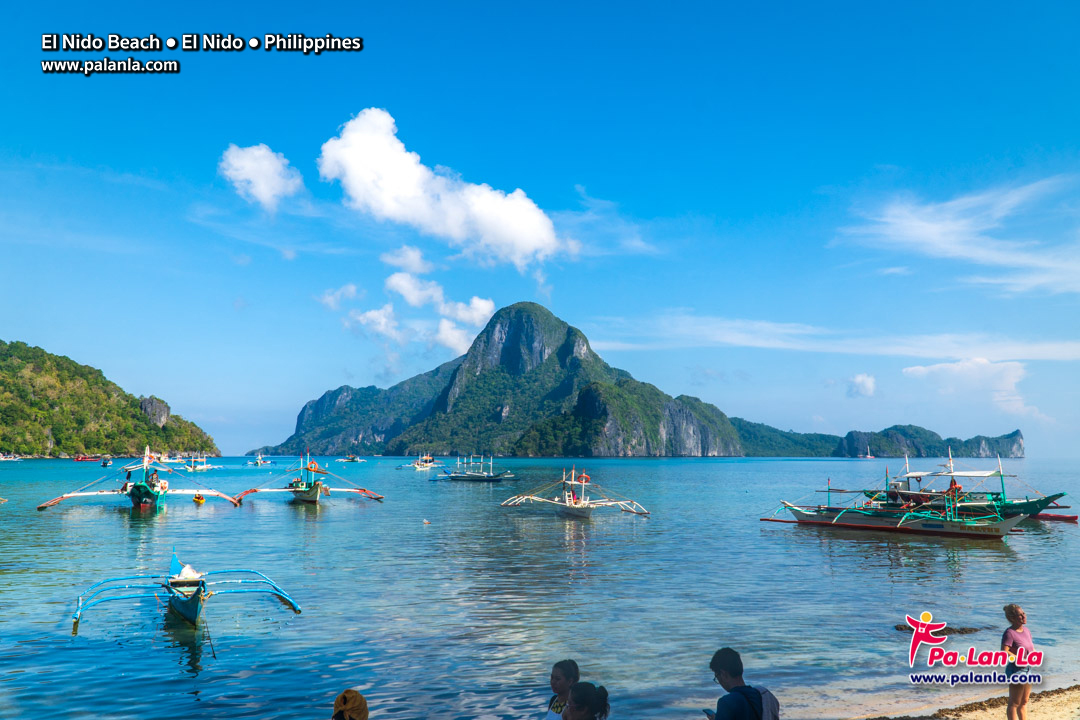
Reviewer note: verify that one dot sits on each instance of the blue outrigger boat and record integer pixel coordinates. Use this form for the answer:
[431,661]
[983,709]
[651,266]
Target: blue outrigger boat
[186,588]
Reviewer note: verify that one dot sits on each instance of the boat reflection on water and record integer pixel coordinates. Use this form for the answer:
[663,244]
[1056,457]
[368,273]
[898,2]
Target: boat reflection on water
[188,638]
[903,558]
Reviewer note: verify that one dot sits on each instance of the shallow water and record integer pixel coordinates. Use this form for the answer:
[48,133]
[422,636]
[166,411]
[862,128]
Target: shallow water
[462,618]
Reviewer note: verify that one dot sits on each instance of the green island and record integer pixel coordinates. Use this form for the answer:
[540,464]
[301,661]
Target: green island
[531,385]
[51,406]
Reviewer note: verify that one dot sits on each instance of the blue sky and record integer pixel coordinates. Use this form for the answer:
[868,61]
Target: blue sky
[829,218]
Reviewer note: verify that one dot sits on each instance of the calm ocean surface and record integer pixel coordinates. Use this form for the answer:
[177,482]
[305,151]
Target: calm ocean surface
[463,618]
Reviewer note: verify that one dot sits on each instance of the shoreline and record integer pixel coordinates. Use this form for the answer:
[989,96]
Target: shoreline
[1058,704]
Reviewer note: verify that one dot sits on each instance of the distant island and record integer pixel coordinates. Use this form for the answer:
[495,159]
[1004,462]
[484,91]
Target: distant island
[530,385]
[51,406]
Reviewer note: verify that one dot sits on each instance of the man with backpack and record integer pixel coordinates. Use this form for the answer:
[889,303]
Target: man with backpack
[742,702]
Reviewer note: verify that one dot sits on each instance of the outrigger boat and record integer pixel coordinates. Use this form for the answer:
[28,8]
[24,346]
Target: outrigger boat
[200,464]
[86,458]
[572,498]
[874,516]
[906,518]
[422,462]
[147,491]
[308,486]
[187,589]
[9,458]
[259,461]
[473,470]
[968,503]
[351,458]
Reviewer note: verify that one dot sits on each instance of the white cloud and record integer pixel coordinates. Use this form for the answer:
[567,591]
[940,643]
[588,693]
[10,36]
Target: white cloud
[988,229]
[453,337]
[258,173]
[332,298]
[974,377]
[862,385]
[382,321]
[681,329]
[901,270]
[409,259]
[418,292]
[382,178]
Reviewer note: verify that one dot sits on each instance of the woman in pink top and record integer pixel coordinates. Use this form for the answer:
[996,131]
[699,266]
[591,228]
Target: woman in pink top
[1017,636]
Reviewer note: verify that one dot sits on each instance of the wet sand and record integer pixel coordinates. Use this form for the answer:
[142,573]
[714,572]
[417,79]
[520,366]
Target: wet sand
[1060,704]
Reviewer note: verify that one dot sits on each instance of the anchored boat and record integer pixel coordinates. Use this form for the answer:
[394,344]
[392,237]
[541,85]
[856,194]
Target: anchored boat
[974,502]
[259,461]
[147,491]
[186,589]
[873,516]
[476,470]
[572,497]
[308,486]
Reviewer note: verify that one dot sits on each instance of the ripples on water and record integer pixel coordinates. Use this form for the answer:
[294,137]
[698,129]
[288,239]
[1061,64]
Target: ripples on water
[463,618]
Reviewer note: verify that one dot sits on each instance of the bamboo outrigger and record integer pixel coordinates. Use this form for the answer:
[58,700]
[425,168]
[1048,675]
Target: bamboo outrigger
[308,486]
[186,588]
[147,491]
[573,498]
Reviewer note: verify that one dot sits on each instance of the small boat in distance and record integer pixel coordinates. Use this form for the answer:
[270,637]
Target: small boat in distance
[259,461]
[86,458]
[474,470]
[572,498]
[867,456]
[9,458]
[186,588]
[200,464]
[351,458]
[164,458]
[308,486]
[106,461]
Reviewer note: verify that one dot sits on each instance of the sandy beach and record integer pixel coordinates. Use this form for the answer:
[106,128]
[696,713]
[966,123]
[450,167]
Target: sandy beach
[1060,704]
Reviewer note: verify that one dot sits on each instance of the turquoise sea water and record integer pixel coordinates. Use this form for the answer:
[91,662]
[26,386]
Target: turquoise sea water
[462,618]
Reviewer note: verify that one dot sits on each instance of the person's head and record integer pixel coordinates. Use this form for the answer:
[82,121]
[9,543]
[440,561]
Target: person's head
[564,674]
[1015,614]
[586,702]
[351,705]
[727,668]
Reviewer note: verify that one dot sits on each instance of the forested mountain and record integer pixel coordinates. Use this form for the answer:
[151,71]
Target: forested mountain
[52,406]
[530,384]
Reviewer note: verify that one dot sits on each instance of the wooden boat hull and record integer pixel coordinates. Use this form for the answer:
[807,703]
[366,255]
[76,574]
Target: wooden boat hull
[844,518]
[142,496]
[977,504]
[308,495]
[581,513]
[186,600]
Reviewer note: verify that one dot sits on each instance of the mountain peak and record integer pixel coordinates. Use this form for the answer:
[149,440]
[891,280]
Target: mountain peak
[519,338]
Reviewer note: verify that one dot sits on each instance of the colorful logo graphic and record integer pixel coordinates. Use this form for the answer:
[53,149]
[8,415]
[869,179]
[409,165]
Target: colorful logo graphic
[924,631]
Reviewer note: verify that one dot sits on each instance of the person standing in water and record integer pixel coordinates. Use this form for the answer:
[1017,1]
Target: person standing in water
[1017,636]
[563,674]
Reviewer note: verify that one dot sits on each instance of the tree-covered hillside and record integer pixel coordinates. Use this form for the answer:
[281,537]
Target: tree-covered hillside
[52,406]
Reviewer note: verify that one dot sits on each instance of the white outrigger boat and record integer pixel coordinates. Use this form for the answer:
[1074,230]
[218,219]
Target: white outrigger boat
[200,464]
[573,499]
[259,461]
[308,486]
